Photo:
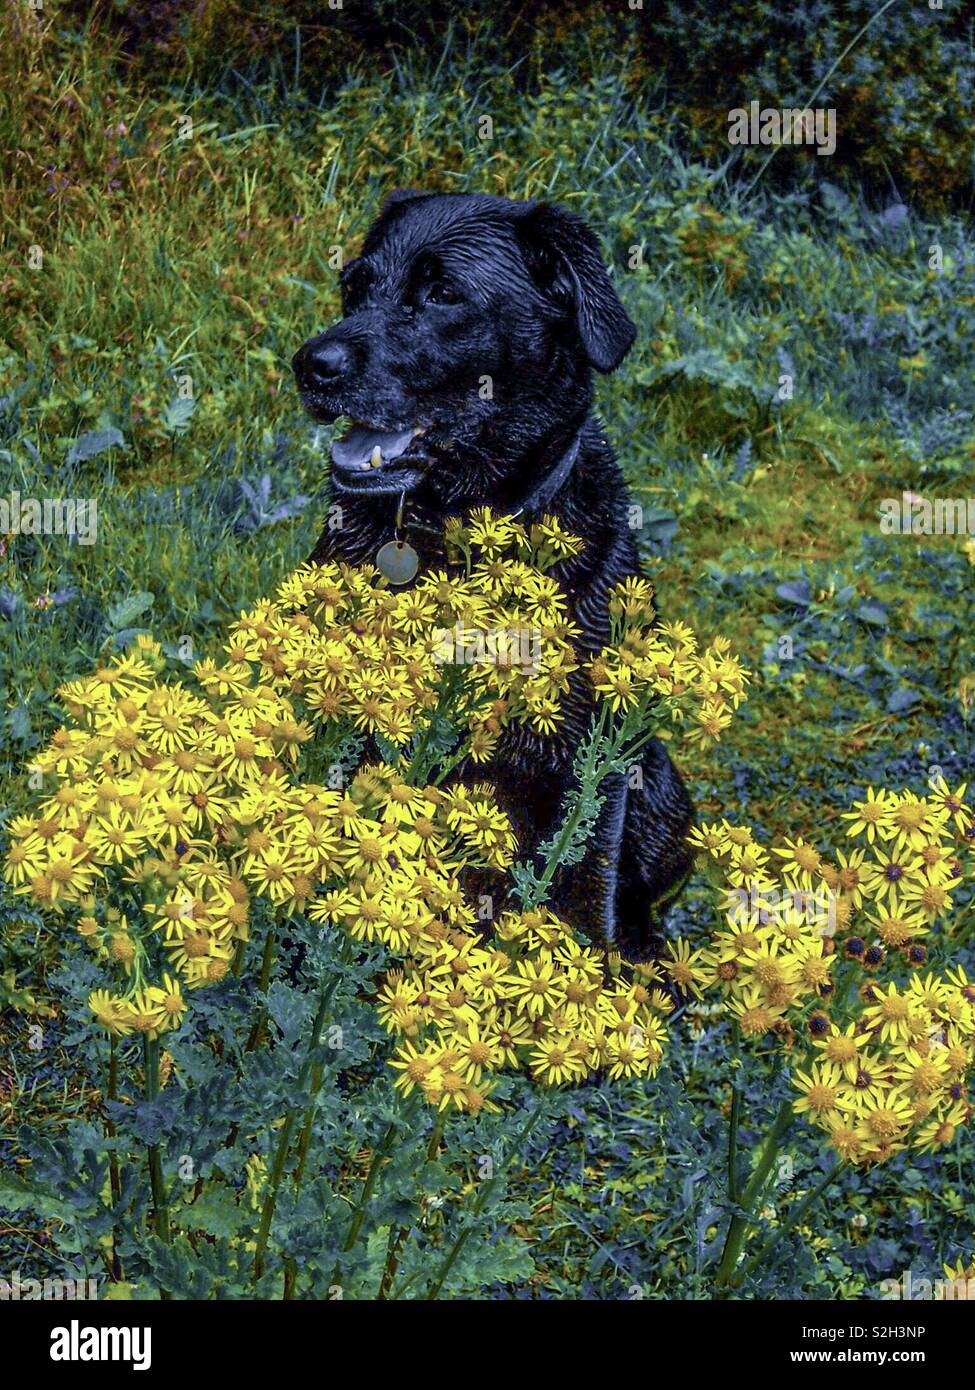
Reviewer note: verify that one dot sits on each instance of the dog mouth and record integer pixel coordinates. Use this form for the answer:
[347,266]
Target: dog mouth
[372,458]
[364,447]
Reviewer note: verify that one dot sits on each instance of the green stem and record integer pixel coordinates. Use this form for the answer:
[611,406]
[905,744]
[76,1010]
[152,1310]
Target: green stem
[733,1125]
[304,1139]
[160,1207]
[271,1196]
[288,1129]
[317,1077]
[113,1165]
[256,1034]
[590,778]
[738,1226]
[267,964]
[796,1214]
[480,1202]
[397,1237]
[418,768]
[381,1152]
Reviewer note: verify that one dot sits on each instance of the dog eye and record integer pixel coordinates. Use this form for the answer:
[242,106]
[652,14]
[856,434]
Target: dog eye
[439,292]
[355,281]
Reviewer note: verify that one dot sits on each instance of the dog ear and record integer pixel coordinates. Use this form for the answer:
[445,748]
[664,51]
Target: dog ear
[564,259]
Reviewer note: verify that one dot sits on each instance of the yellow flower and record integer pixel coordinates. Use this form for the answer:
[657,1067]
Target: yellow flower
[890,1015]
[845,1139]
[841,1047]
[932,899]
[445,1088]
[632,600]
[415,1067]
[550,542]
[754,1015]
[114,836]
[711,839]
[477,1052]
[554,1062]
[536,987]
[25,861]
[883,1122]
[711,720]
[952,802]
[686,967]
[110,1012]
[922,1074]
[912,821]
[800,860]
[508,1031]
[618,687]
[890,873]
[493,534]
[824,1094]
[775,974]
[868,817]
[897,924]
[962,1272]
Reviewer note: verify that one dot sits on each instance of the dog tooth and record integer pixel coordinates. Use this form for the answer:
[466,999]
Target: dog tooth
[376,457]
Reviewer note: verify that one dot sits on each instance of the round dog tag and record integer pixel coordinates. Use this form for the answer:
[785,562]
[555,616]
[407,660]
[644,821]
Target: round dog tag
[398,561]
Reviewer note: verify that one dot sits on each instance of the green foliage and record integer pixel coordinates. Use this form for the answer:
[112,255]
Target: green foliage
[214,1118]
[903,93]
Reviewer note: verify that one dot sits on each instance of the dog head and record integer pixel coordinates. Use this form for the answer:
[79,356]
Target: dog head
[471,327]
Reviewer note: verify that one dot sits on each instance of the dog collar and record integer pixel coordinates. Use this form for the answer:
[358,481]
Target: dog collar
[549,486]
[399,562]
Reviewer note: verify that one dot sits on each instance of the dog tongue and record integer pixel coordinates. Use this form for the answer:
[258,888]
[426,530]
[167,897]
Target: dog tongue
[355,449]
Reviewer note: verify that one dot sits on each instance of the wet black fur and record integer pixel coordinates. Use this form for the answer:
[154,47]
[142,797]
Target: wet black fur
[449,290]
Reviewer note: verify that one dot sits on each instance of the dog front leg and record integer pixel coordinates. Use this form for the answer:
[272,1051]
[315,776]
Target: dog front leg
[655,859]
[586,894]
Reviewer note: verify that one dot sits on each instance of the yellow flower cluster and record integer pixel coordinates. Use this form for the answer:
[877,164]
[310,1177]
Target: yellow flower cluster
[528,996]
[660,664]
[800,944]
[171,809]
[179,808]
[353,649]
[900,1078]
[170,806]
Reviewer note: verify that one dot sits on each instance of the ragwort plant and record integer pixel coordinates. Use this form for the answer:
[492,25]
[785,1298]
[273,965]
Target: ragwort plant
[185,826]
[182,824]
[824,960]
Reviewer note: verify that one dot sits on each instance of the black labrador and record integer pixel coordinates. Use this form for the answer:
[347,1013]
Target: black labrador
[464,360]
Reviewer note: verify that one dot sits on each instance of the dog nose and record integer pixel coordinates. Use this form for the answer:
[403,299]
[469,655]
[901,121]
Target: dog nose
[323,362]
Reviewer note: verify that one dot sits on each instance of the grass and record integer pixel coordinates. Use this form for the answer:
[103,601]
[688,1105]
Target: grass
[172,265]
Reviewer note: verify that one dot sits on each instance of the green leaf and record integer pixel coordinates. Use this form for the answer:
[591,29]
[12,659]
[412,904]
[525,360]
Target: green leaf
[95,442]
[873,614]
[18,1195]
[124,613]
[217,1212]
[178,413]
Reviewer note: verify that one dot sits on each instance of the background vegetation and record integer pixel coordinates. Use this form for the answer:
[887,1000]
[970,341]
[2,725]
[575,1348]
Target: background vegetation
[186,170]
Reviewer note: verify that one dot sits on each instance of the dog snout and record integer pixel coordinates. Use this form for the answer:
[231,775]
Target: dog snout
[322,362]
